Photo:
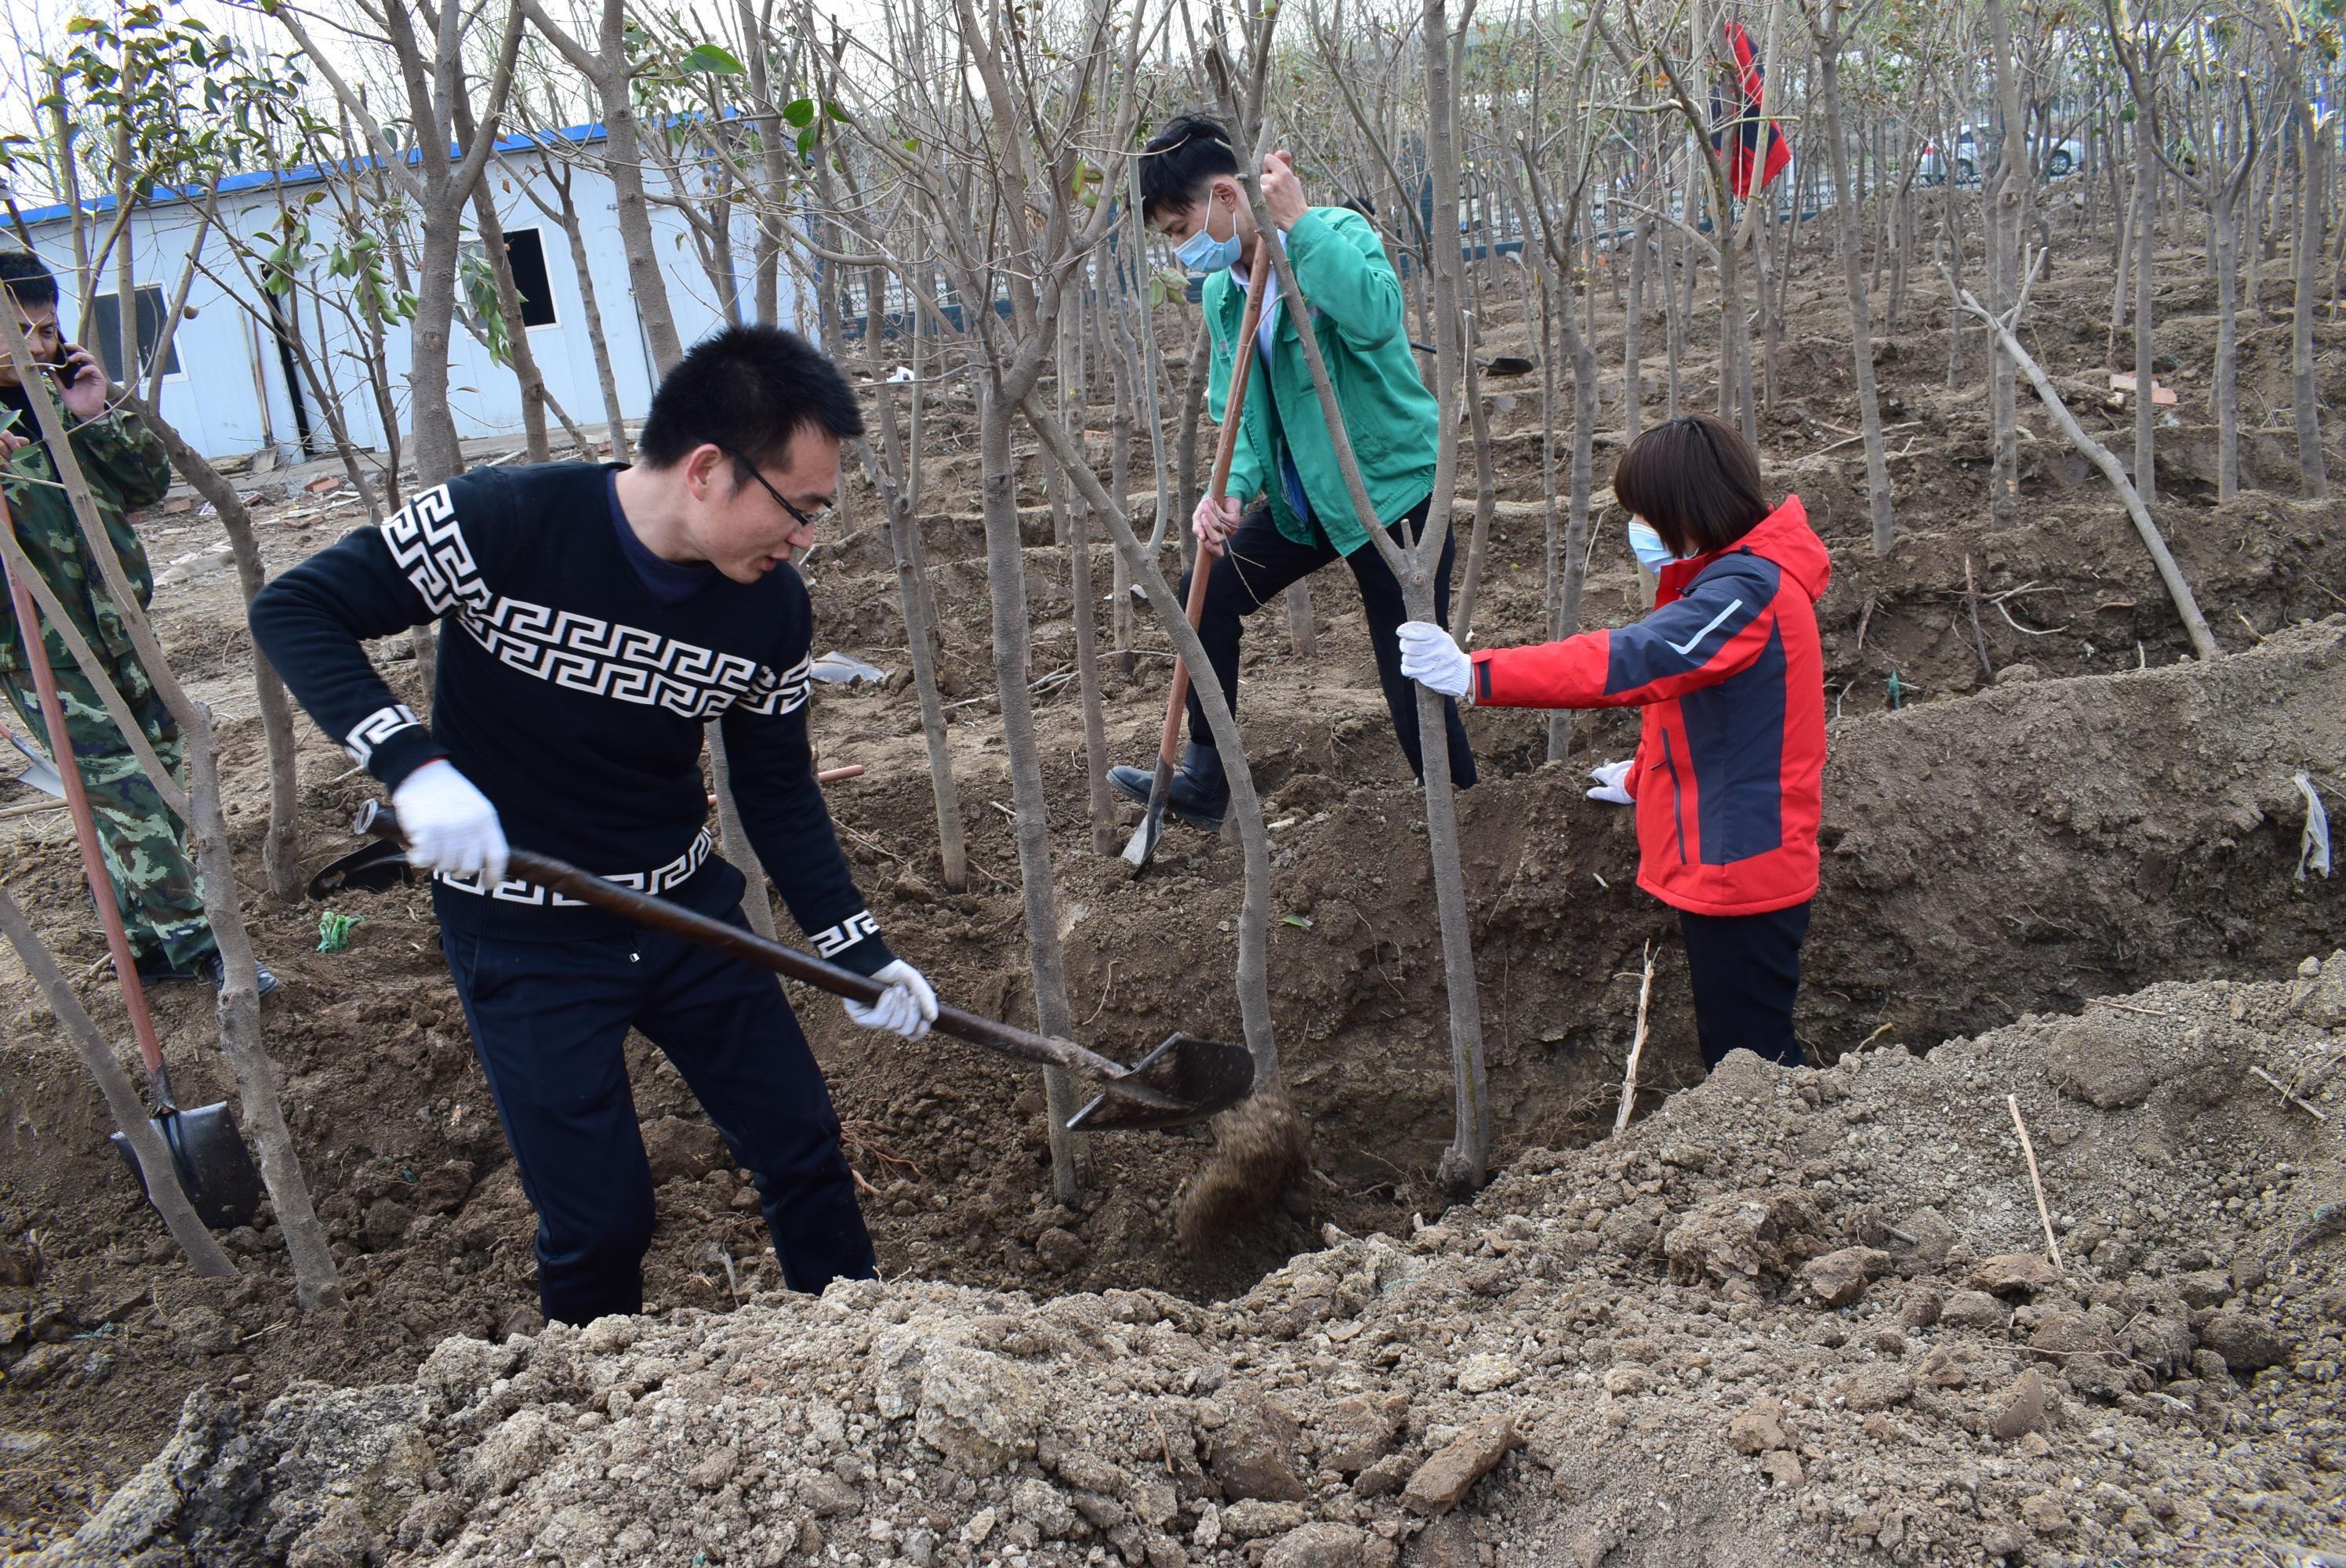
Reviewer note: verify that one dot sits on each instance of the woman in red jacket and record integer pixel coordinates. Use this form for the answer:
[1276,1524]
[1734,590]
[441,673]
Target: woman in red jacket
[1726,782]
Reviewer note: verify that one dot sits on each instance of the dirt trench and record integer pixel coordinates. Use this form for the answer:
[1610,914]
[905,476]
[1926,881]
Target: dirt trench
[1798,1316]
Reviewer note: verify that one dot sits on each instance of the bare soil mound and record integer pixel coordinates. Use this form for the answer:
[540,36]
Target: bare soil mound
[1798,1316]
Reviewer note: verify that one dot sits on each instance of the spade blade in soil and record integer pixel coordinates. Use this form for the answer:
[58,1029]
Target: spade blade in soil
[1142,846]
[1207,1077]
[216,1170]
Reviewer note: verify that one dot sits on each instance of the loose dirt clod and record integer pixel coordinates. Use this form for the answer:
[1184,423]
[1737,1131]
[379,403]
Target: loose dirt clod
[1260,1146]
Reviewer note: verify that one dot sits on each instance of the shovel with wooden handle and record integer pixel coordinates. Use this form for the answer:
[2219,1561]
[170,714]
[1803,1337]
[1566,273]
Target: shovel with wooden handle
[1182,1081]
[214,1167]
[1142,845]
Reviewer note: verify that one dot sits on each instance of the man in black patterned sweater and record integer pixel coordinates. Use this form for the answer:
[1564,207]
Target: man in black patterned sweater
[592,619]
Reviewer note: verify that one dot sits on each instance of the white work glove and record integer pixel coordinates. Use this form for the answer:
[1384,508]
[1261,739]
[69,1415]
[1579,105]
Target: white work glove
[1608,776]
[907,1007]
[1431,658]
[449,825]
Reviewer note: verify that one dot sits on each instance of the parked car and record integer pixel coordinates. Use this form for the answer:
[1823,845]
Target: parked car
[2055,158]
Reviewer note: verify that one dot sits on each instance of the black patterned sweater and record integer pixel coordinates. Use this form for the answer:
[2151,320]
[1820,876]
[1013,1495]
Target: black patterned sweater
[573,696]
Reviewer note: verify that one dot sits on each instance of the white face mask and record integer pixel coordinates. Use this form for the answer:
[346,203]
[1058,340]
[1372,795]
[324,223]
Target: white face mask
[1647,544]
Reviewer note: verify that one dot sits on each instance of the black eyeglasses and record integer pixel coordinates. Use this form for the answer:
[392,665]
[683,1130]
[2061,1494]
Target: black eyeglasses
[822,514]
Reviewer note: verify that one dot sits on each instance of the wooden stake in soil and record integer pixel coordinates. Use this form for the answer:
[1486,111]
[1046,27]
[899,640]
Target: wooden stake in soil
[1636,1047]
[2035,1180]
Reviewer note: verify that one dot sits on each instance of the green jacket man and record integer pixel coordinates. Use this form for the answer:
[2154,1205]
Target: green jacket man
[144,845]
[1284,460]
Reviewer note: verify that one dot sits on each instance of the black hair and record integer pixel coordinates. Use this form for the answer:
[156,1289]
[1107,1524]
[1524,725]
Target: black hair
[1179,161]
[28,278]
[748,390]
[1694,482]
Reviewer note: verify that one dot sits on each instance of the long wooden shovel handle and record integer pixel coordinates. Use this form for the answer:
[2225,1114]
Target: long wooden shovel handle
[1226,447]
[93,859]
[659,914]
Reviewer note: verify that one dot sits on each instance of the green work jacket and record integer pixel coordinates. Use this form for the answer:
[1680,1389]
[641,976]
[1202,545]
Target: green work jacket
[1353,302]
[127,469]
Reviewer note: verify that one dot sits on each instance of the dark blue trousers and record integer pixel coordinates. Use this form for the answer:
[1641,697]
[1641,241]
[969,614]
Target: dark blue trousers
[1745,972]
[548,1021]
[1259,562]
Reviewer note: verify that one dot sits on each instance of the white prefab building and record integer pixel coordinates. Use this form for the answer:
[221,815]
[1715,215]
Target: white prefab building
[231,387]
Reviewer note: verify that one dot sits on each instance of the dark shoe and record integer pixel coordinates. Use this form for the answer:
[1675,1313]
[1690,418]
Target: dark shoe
[154,969]
[216,971]
[1199,793]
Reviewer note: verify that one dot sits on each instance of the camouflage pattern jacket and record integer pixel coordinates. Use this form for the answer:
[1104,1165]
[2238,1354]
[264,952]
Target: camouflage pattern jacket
[125,464]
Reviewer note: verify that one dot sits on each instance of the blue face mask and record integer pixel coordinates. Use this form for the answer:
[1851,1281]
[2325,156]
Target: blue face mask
[1201,252]
[1647,547]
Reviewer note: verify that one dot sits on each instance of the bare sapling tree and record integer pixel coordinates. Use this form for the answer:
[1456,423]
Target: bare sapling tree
[1832,24]
[2004,203]
[1014,222]
[439,185]
[1466,1163]
[2219,190]
[240,1001]
[608,65]
[1557,260]
[563,211]
[2291,46]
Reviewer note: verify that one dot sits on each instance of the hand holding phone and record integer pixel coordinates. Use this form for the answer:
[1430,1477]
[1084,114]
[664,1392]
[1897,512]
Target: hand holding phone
[81,382]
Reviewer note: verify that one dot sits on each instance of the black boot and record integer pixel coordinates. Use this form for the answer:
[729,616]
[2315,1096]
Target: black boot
[1199,795]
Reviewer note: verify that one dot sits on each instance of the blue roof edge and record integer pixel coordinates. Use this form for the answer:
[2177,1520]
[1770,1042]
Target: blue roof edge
[301,174]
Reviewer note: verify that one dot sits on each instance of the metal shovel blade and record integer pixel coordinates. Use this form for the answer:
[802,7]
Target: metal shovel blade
[39,772]
[375,868]
[215,1169]
[1142,846]
[1207,1077]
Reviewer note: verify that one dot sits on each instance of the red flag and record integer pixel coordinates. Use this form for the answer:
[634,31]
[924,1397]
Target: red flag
[1749,132]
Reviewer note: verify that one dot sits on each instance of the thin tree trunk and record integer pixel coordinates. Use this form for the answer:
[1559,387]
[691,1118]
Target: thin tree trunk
[1465,1164]
[2005,212]
[2313,466]
[2224,220]
[1558,735]
[1006,569]
[1486,499]
[1675,259]
[1087,672]
[1193,405]
[2145,410]
[566,214]
[1633,327]
[733,839]
[1861,322]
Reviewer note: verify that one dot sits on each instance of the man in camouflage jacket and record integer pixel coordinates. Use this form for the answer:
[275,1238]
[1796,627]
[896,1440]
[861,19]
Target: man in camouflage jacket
[145,846]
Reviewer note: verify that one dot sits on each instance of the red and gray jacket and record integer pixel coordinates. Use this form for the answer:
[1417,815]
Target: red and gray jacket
[1731,756]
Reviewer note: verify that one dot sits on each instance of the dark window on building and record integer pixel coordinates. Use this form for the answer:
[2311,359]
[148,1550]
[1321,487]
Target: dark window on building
[105,325]
[525,254]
